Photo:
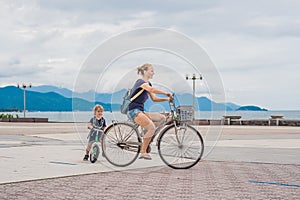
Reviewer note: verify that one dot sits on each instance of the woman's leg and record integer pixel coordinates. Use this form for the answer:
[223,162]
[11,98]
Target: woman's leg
[157,118]
[144,121]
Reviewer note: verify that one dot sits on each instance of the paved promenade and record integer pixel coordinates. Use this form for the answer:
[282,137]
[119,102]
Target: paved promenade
[44,161]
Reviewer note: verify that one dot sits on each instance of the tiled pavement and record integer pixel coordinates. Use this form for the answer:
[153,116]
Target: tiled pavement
[247,163]
[207,180]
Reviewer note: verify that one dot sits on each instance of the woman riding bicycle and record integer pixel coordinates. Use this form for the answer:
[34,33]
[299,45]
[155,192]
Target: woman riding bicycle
[149,121]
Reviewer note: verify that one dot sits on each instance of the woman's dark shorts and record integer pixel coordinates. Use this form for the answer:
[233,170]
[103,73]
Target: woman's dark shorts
[133,113]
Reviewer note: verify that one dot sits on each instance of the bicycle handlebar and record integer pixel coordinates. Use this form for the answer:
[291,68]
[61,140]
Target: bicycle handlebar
[95,128]
[172,102]
[172,99]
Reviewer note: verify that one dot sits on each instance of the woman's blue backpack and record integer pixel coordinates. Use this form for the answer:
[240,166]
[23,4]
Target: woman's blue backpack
[127,100]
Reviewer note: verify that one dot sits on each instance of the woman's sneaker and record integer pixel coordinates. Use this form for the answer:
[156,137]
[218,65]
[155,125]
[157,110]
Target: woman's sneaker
[86,158]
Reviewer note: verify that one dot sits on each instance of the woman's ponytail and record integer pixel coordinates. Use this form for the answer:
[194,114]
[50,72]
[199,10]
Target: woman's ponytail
[143,68]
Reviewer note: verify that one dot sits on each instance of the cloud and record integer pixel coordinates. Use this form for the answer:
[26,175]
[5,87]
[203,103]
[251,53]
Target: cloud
[46,42]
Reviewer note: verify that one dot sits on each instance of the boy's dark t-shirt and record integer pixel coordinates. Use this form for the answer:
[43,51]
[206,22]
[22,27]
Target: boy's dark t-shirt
[101,123]
[141,99]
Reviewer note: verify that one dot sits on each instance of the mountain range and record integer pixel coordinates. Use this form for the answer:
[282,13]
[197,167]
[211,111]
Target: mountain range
[12,97]
[51,98]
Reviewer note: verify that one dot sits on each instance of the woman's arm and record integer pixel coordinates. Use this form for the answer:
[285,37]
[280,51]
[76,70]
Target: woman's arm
[157,99]
[152,91]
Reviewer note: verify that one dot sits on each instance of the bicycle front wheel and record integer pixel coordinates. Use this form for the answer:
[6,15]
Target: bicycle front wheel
[121,144]
[180,147]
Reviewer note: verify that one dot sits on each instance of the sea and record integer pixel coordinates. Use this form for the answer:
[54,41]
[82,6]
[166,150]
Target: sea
[84,116]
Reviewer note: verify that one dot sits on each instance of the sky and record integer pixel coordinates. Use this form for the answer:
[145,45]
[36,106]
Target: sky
[254,45]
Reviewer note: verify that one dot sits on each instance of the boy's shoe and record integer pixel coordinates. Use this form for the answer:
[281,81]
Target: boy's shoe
[103,155]
[86,158]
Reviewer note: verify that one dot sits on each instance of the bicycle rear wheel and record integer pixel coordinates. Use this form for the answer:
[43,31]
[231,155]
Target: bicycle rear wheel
[121,144]
[94,153]
[180,147]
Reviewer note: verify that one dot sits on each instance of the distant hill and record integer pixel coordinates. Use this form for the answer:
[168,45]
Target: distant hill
[89,95]
[48,88]
[51,98]
[232,106]
[251,108]
[12,97]
[202,103]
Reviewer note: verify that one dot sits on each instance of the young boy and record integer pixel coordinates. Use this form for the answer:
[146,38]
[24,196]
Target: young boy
[98,122]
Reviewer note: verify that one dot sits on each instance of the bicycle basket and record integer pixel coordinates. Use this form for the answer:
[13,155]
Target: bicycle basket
[185,113]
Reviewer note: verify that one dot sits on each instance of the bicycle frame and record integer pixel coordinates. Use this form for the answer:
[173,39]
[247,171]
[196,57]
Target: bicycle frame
[159,130]
[97,139]
[120,137]
[172,114]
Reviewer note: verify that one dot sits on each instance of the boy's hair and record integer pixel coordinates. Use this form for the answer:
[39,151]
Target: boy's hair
[96,107]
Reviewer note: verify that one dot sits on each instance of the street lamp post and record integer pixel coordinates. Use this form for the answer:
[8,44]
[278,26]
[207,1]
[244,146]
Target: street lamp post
[193,78]
[24,88]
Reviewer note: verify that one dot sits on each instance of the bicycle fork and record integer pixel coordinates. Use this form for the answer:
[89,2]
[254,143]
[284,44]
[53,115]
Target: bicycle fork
[180,145]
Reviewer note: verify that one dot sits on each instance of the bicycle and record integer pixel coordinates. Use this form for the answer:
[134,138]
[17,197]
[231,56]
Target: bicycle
[180,146]
[95,149]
